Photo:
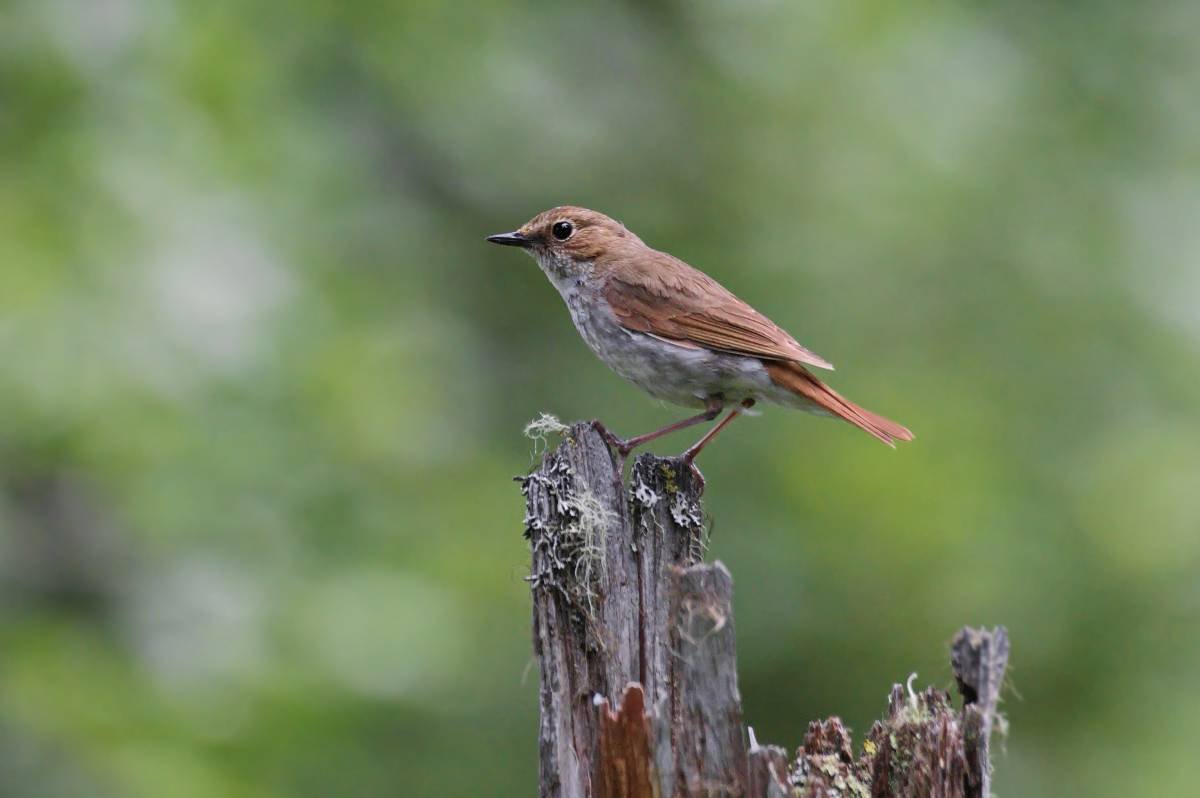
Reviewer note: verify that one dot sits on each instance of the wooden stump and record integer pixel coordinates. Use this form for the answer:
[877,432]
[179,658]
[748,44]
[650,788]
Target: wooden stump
[634,638]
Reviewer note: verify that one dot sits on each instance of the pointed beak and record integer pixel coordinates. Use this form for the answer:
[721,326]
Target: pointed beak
[513,239]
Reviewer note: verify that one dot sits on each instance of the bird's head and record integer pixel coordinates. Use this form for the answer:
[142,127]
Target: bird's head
[567,238]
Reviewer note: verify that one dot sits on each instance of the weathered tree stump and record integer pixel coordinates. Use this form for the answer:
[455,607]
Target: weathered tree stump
[634,639]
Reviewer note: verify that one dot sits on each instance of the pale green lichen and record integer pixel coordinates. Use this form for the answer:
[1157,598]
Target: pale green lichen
[541,428]
[569,537]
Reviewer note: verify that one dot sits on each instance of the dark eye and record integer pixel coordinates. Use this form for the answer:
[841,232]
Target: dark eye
[562,230]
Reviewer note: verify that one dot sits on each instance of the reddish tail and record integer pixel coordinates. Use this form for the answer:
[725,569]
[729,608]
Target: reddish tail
[799,381]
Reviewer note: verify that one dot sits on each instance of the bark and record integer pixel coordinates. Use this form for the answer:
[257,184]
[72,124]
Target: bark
[634,638]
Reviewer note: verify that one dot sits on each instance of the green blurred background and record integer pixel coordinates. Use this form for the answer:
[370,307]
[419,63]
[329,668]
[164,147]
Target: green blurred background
[262,383]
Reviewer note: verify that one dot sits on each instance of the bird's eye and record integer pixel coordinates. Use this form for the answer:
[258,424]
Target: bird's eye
[562,230]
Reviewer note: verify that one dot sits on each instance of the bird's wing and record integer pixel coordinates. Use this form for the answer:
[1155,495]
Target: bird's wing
[664,297]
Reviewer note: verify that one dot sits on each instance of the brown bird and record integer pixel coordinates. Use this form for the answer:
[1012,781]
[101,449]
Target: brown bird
[674,331]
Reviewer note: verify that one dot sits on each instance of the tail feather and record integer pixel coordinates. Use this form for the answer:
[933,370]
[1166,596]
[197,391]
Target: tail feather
[801,382]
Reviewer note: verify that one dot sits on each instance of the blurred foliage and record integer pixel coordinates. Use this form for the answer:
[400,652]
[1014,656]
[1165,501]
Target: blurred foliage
[262,382]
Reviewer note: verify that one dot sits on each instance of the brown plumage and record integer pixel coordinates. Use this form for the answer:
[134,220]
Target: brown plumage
[801,382]
[664,296]
[672,329]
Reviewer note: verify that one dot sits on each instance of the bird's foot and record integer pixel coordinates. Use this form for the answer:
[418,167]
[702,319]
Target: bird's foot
[620,445]
[688,458]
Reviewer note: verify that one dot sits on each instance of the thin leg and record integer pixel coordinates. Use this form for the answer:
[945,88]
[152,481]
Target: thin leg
[624,447]
[690,455]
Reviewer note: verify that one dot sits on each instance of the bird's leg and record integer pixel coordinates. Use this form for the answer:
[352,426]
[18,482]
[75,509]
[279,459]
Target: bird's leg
[624,447]
[689,456]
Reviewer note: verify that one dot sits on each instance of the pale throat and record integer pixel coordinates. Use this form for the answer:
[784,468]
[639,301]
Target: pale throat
[567,274]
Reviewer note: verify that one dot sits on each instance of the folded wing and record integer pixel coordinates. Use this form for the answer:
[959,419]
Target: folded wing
[667,298]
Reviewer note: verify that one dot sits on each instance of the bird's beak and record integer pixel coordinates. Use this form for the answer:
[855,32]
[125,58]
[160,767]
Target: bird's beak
[514,239]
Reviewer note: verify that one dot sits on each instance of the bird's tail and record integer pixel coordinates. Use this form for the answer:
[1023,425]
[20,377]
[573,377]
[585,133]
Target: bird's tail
[801,382]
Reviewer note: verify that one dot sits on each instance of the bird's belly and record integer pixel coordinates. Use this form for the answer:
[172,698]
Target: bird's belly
[679,374]
[683,375]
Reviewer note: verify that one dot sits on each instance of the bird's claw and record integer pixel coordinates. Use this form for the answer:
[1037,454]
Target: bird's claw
[696,475]
[621,446]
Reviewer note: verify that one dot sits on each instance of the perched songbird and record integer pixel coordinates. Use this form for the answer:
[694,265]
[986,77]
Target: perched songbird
[674,331]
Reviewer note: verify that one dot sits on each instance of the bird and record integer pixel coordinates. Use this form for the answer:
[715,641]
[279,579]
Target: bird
[675,332]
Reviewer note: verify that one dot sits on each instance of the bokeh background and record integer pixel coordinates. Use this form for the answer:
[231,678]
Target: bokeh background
[262,383]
